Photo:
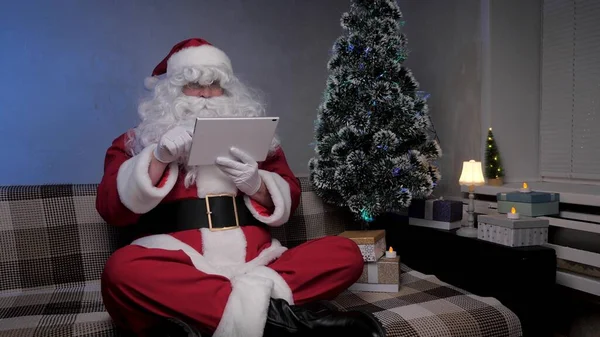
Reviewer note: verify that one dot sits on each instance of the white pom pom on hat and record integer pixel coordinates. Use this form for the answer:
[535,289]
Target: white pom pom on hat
[193,52]
[150,82]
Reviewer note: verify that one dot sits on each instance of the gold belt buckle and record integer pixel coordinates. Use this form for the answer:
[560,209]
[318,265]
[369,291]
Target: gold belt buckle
[209,212]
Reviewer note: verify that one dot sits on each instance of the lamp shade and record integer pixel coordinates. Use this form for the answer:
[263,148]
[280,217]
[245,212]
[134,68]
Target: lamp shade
[472,174]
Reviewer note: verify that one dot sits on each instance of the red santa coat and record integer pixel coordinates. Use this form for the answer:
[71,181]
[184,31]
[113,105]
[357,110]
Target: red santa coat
[126,192]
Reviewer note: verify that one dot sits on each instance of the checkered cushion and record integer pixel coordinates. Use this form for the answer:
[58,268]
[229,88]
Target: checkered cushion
[423,307]
[426,306]
[53,246]
[52,234]
[67,310]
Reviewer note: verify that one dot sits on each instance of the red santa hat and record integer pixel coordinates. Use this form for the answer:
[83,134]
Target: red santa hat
[189,53]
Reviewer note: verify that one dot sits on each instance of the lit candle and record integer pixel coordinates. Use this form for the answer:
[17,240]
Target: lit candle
[513,214]
[525,189]
[390,254]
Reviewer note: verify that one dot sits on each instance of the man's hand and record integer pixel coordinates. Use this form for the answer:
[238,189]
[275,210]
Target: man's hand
[173,144]
[243,172]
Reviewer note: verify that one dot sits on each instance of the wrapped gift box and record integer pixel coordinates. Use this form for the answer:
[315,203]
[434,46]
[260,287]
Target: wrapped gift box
[525,231]
[436,210]
[528,197]
[529,203]
[529,209]
[434,224]
[371,243]
[380,276]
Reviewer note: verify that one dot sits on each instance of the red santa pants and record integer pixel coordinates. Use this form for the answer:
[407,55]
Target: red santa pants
[140,284]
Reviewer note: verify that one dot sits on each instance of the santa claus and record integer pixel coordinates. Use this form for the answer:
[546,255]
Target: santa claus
[204,257]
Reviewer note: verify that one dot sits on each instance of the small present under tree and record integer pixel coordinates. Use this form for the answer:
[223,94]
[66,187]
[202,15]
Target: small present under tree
[494,171]
[375,149]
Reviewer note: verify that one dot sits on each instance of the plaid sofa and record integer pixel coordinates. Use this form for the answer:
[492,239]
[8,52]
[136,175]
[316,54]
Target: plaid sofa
[53,245]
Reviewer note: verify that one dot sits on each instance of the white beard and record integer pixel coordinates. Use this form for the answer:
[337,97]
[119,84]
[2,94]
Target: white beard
[161,116]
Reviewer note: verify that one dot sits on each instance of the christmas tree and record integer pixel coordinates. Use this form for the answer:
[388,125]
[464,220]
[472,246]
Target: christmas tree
[493,164]
[374,150]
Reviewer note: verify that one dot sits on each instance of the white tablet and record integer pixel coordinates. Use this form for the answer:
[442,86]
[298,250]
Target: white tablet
[213,137]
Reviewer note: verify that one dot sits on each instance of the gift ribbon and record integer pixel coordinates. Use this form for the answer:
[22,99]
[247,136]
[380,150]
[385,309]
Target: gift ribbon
[429,209]
[372,274]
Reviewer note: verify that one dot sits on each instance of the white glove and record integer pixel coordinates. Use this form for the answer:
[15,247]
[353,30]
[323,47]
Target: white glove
[174,144]
[244,172]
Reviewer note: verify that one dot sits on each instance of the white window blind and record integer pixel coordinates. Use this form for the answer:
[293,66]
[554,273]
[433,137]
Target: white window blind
[570,89]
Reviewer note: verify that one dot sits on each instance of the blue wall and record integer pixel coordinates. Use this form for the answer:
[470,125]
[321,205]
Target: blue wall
[72,73]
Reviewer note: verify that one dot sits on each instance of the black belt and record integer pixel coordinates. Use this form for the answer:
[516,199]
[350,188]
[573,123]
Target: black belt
[213,212]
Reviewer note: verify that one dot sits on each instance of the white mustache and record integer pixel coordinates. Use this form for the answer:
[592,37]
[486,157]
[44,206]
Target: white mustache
[196,104]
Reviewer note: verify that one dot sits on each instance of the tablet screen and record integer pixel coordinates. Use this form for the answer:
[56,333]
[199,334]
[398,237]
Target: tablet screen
[213,137]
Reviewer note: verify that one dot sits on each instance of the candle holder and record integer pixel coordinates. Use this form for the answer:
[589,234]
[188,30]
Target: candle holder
[513,215]
[525,189]
[391,253]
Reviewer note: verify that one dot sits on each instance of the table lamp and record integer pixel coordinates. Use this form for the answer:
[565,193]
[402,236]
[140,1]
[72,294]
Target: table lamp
[472,175]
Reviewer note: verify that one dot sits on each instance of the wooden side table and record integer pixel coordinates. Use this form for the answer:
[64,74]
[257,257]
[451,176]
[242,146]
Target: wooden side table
[522,278]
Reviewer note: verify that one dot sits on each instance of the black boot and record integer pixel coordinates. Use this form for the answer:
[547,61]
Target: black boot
[319,319]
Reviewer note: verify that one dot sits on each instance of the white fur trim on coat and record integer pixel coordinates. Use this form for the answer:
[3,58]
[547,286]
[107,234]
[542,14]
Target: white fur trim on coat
[253,283]
[168,242]
[198,57]
[279,189]
[245,313]
[135,187]
[211,180]
[201,261]
[223,248]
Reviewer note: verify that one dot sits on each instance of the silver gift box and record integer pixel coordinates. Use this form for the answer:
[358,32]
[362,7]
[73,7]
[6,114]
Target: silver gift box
[525,231]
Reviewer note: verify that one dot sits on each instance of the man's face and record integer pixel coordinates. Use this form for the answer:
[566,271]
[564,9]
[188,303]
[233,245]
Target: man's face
[205,91]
